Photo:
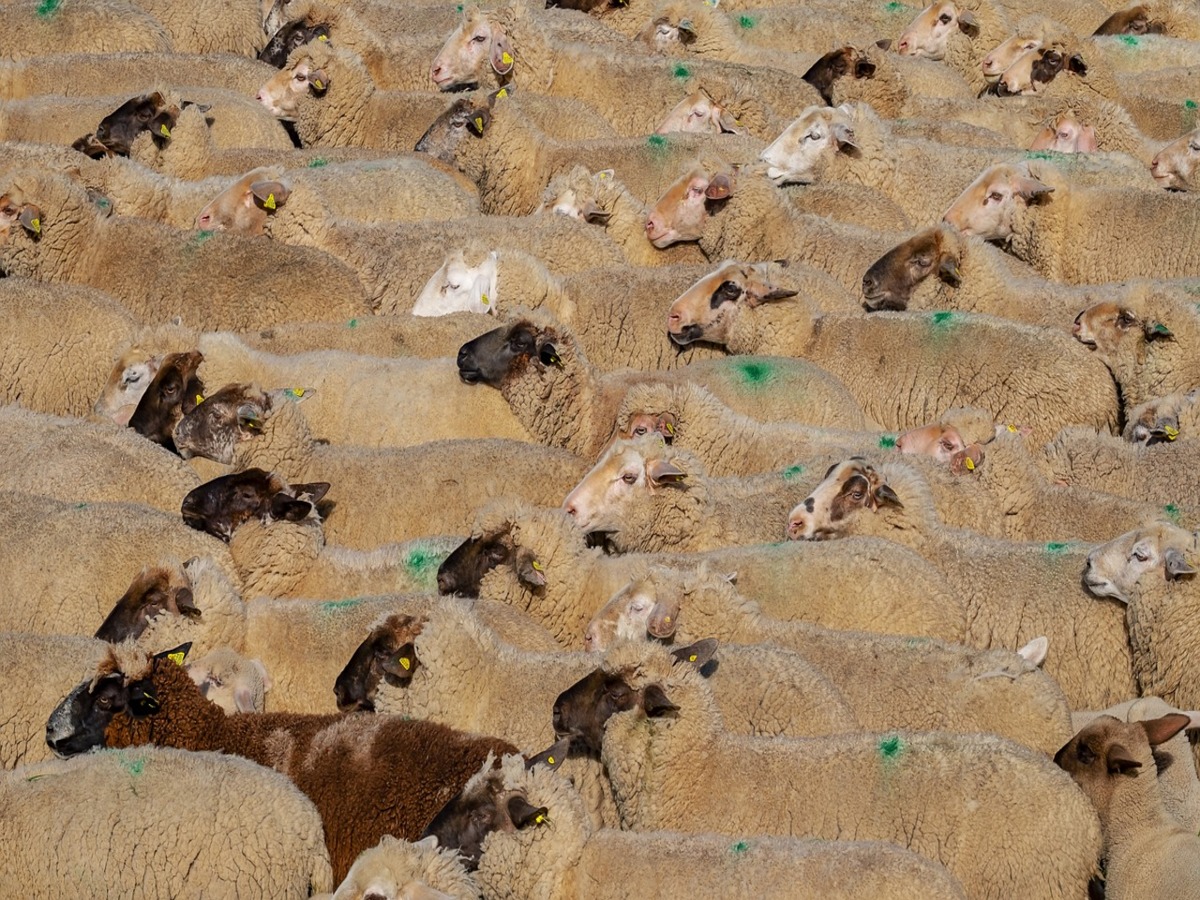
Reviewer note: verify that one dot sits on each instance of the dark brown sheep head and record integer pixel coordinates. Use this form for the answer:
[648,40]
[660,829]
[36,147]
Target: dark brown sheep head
[213,429]
[288,38]
[155,590]
[502,353]
[387,655]
[467,118]
[1134,20]
[116,132]
[890,281]
[173,393]
[840,63]
[220,506]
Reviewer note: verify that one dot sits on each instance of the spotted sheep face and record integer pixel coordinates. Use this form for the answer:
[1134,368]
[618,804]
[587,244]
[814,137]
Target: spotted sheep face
[282,92]
[997,62]
[707,310]
[929,33]
[848,489]
[807,146]
[1030,72]
[891,280]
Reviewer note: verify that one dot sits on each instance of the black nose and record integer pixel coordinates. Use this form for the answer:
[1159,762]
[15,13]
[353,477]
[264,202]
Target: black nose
[557,719]
[869,284]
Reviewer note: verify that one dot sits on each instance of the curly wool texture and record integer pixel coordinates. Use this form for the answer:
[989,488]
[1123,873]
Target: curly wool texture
[345,764]
[890,588]
[392,334]
[92,73]
[915,683]
[907,788]
[1014,593]
[400,863]
[162,820]
[83,26]
[209,279]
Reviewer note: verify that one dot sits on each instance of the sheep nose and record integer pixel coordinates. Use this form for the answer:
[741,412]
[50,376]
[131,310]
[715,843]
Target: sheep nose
[445,583]
[869,283]
[571,508]
[1078,326]
[651,226]
[902,47]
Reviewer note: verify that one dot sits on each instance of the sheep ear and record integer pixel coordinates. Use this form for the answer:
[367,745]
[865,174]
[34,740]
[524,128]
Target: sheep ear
[697,654]
[594,215]
[660,472]
[1176,565]
[1161,730]
[267,680]
[664,617]
[503,59]
[1120,761]
[552,757]
[548,354]
[271,194]
[1157,331]
[720,187]
[1029,188]
[176,655]
[478,121]
[1035,651]
[243,699]
[31,219]
[185,602]
[885,496]
[249,417]
[286,508]
[967,23]
[729,123]
[1087,140]
[687,32]
[884,43]
[864,68]
[656,703]
[401,664]
[948,271]
[318,81]
[313,492]
[844,135]
[523,813]
[1077,65]
[531,572]
[142,699]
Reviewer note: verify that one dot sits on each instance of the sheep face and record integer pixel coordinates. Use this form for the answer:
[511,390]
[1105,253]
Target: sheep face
[232,682]
[1116,330]
[825,72]
[387,654]
[707,310]
[681,213]
[806,147]
[624,476]
[477,42]
[282,93]
[1135,20]
[890,281]
[848,488]
[927,35]
[462,571]
[1114,569]
[116,131]
[465,118]
[1007,53]
[244,206]
[937,440]
[290,37]
[172,394]
[1174,166]
[647,607]
[1108,750]
[14,214]
[504,352]
[126,384]
[219,506]
[155,590]
[1032,71]
[458,287]
[991,203]
[1160,419]
[698,113]
[213,428]
[1066,134]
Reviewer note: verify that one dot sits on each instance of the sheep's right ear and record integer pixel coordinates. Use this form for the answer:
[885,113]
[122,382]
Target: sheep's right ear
[1035,651]
[523,813]
[313,492]
[318,81]
[401,664]
[1120,761]
[502,56]
[697,654]
[884,43]
[552,757]
[1157,331]
[530,571]
[1176,565]
[249,417]
[1029,188]
[844,135]
[661,472]
[31,219]
[1161,730]
[948,270]
[286,508]
[656,703]
[176,655]
[720,187]
[967,23]
[885,496]
[270,194]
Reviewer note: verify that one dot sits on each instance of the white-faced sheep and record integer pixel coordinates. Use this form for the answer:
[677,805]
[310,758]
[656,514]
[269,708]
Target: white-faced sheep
[166,823]
[1164,419]
[399,870]
[1174,166]
[924,791]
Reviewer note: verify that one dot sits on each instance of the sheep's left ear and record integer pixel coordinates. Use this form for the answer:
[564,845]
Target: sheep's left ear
[552,757]
[948,270]
[478,121]
[1029,188]
[176,655]
[502,51]
[530,572]
[313,492]
[270,194]
[401,664]
[656,703]
[1176,564]
[729,123]
[687,32]
[31,219]
[661,472]
[1162,729]
[1157,331]
[967,23]
[697,654]
[720,187]
[548,355]
[523,813]
[249,417]
[844,135]
[286,508]
[1120,761]
[1077,65]
[885,496]
[318,81]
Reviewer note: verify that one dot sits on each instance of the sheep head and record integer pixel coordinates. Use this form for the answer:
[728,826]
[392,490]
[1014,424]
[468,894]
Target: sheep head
[682,211]
[848,489]
[891,280]
[623,477]
[479,42]
[928,34]
[810,144]
[172,394]
[155,590]
[245,205]
[386,654]
[990,205]
[708,309]
[220,506]
[1117,568]
[1175,166]
[699,113]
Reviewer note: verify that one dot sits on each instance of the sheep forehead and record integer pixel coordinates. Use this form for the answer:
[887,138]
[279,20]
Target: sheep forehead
[638,662]
[125,659]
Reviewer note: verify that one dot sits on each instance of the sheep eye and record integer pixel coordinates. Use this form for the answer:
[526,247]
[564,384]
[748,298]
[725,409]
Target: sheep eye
[1141,555]
[301,77]
[629,478]
[104,702]
[1194,147]
[922,262]
[812,136]
[945,18]
[133,378]
[857,495]
[1032,45]
[640,430]
[994,197]
[479,39]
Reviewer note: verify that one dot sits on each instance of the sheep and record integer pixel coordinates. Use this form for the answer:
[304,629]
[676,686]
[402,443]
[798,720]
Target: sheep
[415,400]
[69,459]
[543,374]
[973,356]
[234,683]
[921,790]
[917,684]
[1148,854]
[50,230]
[988,575]
[230,28]
[1174,165]
[566,856]
[379,335]
[1145,340]
[1164,419]
[398,870]
[34,367]
[494,143]
[243,427]
[1162,473]
[164,823]
[1166,17]
[647,497]
[80,26]
[1177,782]
[958,32]
[894,590]
[90,73]
[728,113]
[1040,229]
[425,764]
[172,393]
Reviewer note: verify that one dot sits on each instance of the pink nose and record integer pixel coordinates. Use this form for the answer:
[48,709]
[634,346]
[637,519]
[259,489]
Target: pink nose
[435,72]
[571,509]
[651,225]
[259,97]
[902,46]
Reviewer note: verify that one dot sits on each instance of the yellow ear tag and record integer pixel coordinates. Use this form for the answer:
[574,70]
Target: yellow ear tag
[405,664]
[970,464]
[506,58]
[297,392]
[1171,433]
[670,429]
[503,92]
[323,37]
[692,658]
[164,130]
[269,203]
[199,399]
[479,123]
[36,224]
[1012,428]
[176,657]
[318,84]
[540,819]
[666,618]
[485,300]
[554,360]
[550,759]
[537,566]
[603,175]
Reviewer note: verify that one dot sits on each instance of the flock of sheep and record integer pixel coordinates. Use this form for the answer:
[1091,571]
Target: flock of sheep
[623,449]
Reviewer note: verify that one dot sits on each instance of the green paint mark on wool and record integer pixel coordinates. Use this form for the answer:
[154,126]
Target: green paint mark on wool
[421,560]
[1055,548]
[792,472]
[887,442]
[740,847]
[1189,104]
[895,7]
[1129,40]
[103,203]
[331,607]
[1172,512]
[682,72]
[656,142]
[942,320]
[753,372]
[201,237]
[353,323]
[48,7]
[318,162]
[747,21]
[81,506]
[891,748]
[134,767]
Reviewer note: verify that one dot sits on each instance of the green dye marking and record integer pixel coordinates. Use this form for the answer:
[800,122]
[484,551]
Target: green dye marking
[1193,289]
[421,559]
[740,847]
[895,7]
[337,606]
[458,8]
[1056,547]
[1129,40]
[941,321]
[317,162]
[201,237]
[887,442]
[657,141]
[48,7]
[754,372]
[353,323]
[81,506]
[792,472]
[914,642]
[1040,154]
[103,202]
[134,767]
[747,21]
[682,72]
[1189,104]
[891,747]
[1172,511]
